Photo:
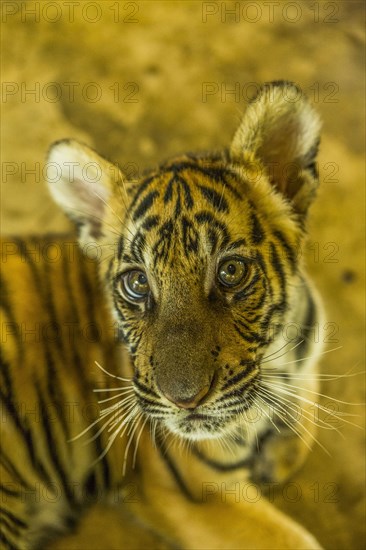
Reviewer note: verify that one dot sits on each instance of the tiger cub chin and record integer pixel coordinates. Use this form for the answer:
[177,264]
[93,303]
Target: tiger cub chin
[198,275]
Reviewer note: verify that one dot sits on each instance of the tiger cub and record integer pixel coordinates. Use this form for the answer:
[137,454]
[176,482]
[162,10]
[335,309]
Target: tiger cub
[148,377]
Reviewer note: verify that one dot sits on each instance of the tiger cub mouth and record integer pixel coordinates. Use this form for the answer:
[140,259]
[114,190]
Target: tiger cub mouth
[220,414]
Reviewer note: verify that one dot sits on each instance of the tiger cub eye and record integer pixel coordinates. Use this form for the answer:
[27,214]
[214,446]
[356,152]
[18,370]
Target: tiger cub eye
[232,272]
[135,285]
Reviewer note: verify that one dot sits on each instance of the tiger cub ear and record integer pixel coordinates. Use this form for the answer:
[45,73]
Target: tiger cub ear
[281,129]
[83,184]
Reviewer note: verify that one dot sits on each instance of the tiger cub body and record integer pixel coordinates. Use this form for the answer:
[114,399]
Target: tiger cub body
[198,275]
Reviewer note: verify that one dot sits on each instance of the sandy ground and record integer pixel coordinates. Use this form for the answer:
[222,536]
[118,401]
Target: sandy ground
[140,81]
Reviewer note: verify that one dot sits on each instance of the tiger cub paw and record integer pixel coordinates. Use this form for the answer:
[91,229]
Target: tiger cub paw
[278,458]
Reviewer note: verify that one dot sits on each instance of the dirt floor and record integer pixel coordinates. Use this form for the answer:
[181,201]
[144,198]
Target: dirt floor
[140,81]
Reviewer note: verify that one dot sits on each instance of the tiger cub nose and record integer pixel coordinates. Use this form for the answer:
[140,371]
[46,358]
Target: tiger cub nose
[190,402]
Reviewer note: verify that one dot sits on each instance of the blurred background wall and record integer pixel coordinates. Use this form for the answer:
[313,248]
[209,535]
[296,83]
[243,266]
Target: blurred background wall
[140,81]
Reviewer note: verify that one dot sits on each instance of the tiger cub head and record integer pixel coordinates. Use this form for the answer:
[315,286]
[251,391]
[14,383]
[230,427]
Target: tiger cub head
[200,257]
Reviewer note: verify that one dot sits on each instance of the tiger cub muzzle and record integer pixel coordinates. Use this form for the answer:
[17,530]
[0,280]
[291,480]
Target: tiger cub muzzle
[184,367]
[200,382]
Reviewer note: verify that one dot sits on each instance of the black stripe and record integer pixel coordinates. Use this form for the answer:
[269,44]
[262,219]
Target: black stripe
[213,238]
[173,468]
[11,469]
[238,377]
[278,267]
[275,308]
[252,316]
[153,410]
[87,298]
[48,297]
[8,544]
[13,518]
[257,233]
[178,205]
[150,222]
[12,529]
[168,195]
[213,197]
[84,382]
[187,194]
[212,172]
[205,217]
[27,436]
[290,252]
[220,466]
[248,338]
[218,174]
[7,306]
[137,247]
[257,337]
[237,244]
[91,485]
[261,300]
[190,237]
[242,294]
[102,463]
[262,265]
[5,373]
[141,188]
[307,327]
[9,492]
[89,292]
[145,205]
[43,290]
[118,304]
[147,402]
[243,401]
[161,248]
[179,183]
[120,247]
[145,389]
[55,390]
[52,445]
[249,303]
[108,275]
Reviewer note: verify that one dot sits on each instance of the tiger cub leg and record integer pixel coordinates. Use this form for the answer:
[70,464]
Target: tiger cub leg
[220,525]
[110,527]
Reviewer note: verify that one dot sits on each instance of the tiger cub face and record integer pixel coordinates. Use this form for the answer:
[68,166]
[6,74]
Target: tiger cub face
[199,258]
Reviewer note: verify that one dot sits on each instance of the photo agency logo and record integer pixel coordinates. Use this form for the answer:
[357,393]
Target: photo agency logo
[53,492]
[53,332]
[71,11]
[292,492]
[270,12]
[38,172]
[69,91]
[239,92]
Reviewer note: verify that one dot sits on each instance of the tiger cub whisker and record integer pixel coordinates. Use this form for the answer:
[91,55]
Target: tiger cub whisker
[281,411]
[127,391]
[110,374]
[266,359]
